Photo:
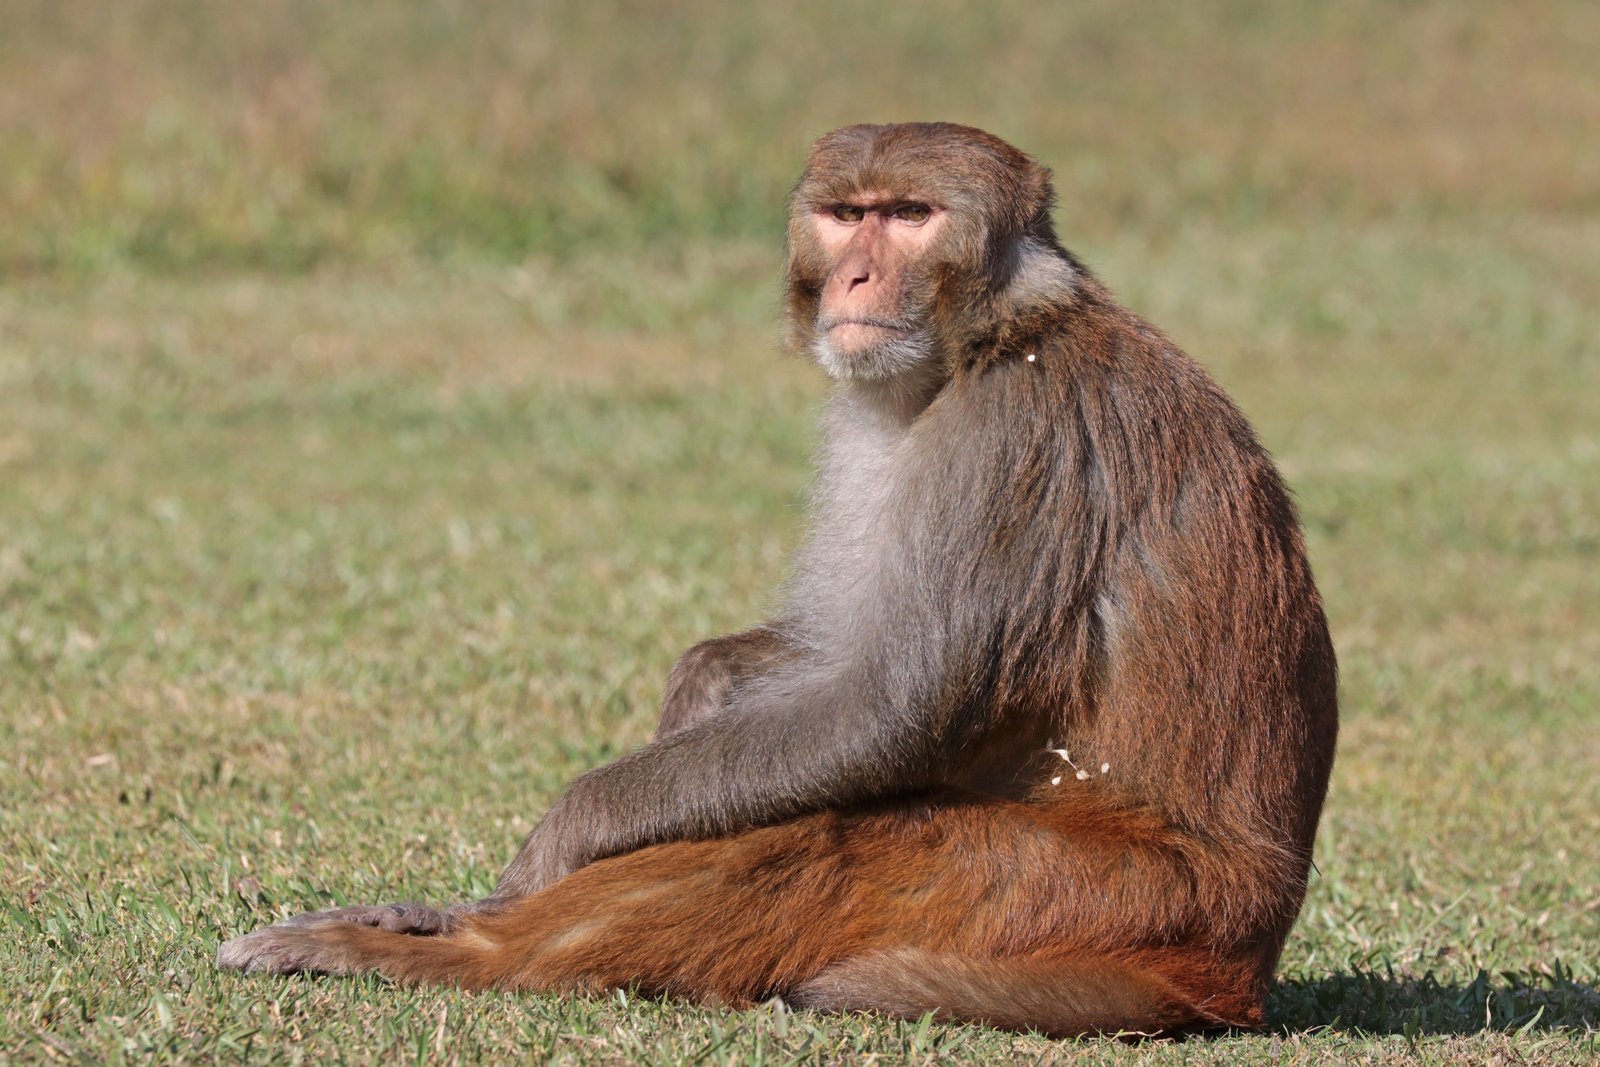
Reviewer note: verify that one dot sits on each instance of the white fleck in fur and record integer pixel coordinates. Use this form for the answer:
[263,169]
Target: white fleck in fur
[1079,773]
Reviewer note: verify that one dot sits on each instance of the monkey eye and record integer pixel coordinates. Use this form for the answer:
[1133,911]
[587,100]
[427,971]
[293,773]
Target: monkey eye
[848,213]
[913,212]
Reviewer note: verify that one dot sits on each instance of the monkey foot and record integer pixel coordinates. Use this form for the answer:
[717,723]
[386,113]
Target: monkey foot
[418,919]
[293,946]
[281,949]
[299,944]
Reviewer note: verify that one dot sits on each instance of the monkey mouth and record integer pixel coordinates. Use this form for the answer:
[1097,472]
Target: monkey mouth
[888,325]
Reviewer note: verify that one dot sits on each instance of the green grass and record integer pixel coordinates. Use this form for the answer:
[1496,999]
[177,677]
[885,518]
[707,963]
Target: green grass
[364,465]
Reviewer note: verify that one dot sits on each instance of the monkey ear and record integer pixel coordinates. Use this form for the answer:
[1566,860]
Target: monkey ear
[1038,201]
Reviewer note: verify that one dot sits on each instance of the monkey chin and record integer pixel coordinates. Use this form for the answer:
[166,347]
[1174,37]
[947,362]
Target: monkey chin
[882,356]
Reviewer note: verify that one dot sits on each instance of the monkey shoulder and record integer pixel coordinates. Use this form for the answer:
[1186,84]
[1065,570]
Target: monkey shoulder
[1093,411]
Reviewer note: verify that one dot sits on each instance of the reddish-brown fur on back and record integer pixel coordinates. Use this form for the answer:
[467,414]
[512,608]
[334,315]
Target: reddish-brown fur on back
[1042,734]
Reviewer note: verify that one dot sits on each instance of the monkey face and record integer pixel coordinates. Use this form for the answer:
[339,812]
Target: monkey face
[899,239]
[872,315]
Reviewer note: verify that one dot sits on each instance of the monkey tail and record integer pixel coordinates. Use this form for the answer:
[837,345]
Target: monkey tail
[1061,998]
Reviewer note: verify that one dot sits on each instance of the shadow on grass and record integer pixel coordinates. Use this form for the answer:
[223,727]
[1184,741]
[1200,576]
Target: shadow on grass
[1372,1002]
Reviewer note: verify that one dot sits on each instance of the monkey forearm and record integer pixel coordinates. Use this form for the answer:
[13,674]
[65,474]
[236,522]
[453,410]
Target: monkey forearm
[741,769]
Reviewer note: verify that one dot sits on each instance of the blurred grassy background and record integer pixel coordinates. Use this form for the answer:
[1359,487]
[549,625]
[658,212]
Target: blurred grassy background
[387,392]
[285,134]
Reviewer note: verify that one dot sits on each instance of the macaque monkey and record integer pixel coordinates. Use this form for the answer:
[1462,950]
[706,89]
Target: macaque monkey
[1041,733]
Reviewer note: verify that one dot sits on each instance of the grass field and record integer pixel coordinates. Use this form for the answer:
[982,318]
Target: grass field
[388,394]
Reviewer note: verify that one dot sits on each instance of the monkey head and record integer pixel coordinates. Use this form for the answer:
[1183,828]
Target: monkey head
[902,242]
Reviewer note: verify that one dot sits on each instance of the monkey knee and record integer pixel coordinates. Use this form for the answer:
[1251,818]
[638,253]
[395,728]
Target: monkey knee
[698,687]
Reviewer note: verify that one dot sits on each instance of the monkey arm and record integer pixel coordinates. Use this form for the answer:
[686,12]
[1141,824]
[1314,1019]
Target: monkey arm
[782,751]
[703,680]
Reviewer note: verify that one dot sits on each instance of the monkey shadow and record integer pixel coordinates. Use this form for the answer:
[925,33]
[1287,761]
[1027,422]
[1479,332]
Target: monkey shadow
[1374,1002]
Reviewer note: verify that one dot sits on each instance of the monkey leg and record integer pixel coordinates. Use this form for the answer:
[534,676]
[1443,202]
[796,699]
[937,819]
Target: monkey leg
[979,910]
[1053,996]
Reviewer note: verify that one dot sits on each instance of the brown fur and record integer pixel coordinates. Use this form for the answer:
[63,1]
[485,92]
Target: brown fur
[853,806]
